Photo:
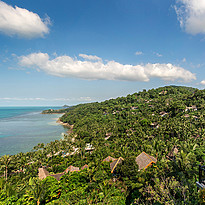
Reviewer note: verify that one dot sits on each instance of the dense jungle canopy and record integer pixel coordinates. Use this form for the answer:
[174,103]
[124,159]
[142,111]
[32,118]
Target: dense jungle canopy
[167,123]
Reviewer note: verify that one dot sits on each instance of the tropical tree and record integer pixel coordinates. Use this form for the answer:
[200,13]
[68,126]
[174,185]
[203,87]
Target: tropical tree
[5,160]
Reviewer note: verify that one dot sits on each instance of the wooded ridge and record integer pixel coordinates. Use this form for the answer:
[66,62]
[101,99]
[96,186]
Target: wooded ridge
[157,136]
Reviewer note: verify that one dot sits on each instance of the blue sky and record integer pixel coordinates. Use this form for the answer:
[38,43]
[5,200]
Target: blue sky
[75,51]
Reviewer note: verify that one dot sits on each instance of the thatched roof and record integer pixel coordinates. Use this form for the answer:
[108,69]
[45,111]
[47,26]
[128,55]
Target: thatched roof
[72,169]
[84,167]
[42,173]
[114,164]
[108,159]
[144,160]
[57,176]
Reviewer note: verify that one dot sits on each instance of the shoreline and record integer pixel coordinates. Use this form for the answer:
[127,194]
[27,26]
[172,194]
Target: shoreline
[66,125]
[53,113]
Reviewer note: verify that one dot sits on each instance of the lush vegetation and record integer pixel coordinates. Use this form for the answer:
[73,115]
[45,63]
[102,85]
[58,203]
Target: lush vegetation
[152,121]
[52,111]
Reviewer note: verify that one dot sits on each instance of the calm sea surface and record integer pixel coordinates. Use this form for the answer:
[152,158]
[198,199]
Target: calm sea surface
[21,128]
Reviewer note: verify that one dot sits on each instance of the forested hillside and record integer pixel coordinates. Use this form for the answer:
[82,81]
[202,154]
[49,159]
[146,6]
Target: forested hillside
[167,123]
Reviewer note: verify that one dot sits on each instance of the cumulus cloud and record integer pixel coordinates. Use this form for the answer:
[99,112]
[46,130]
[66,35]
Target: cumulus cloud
[191,15]
[158,54]
[202,82]
[169,72]
[90,57]
[138,53]
[66,66]
[21,22]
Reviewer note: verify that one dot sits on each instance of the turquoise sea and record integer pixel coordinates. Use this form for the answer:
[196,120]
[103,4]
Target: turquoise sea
[21,128]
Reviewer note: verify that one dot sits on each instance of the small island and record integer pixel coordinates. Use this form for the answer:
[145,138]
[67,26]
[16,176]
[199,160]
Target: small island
[54,111]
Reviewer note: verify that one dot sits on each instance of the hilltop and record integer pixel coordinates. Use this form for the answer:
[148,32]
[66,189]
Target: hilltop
[166,123]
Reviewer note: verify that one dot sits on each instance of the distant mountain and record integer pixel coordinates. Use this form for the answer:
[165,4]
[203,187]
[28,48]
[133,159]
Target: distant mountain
[66,106]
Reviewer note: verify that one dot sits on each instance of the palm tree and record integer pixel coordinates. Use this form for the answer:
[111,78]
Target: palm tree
[6,161]
[37,190]
[21,157]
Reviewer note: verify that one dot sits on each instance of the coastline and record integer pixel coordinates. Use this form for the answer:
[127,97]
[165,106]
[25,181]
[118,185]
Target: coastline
[66,125]
[60,122]
[51,113]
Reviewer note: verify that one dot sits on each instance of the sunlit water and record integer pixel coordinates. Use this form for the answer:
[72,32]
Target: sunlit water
[21,128]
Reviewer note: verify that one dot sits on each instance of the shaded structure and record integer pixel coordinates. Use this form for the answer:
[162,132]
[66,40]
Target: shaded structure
[72,169]
[192,108]
[172,154]
[42,173]
[89,147]
[84,167]
[108,135]
[114,164]
[154,125]
[57,176]
[144,160]
[201,183]
[134,108]
[109,159]
[163,113]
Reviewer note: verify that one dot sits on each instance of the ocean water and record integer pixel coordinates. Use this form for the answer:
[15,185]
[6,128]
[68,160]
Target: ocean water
[21,128]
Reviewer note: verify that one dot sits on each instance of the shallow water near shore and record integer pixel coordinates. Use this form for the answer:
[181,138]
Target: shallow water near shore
[21,128]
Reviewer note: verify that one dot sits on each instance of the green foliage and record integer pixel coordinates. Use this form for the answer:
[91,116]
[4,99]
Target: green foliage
[202,196]
[152,121]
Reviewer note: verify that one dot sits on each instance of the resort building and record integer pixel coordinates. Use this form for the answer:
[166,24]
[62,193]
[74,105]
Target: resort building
[172,154]
[201,183]
[114,164]
[72,169]
[109,159]
[84,167]
[42,173]
[144,160]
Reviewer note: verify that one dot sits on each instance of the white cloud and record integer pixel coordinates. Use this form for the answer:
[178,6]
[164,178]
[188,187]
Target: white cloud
[66,66]
[202,82]
[86,99]
[90,57]
[22,99]
[78,99]
[75,99]
[169,72]
[21,22]
[158,54]
[191,15]
[139,53]
[184,60]
[14,68]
